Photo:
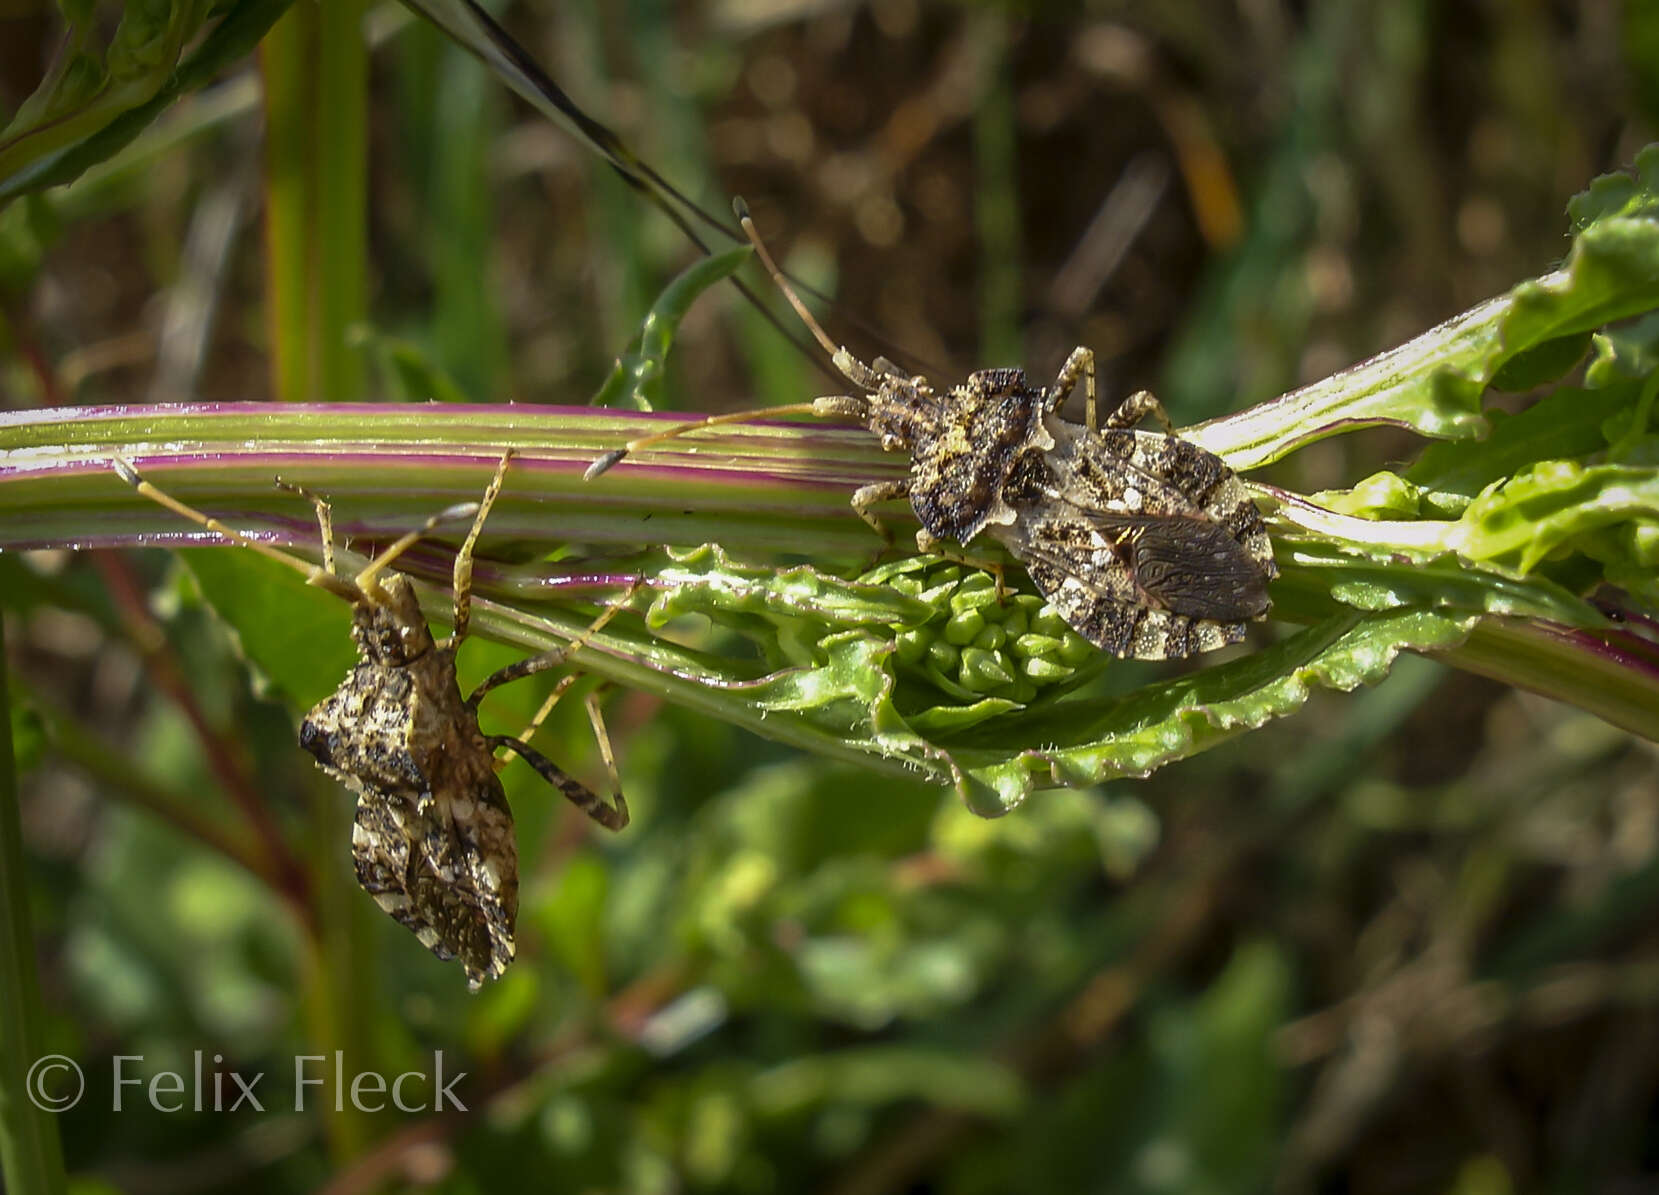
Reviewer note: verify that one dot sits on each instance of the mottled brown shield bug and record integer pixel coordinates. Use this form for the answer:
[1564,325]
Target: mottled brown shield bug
[1147,545]
[433,839]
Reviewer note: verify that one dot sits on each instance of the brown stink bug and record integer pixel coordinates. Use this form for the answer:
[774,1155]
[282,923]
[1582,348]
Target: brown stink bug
[433,839]
[1147,545]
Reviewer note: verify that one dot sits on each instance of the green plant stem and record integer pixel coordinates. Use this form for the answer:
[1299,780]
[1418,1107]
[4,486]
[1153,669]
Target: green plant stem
[389,467]
[316,69]
[341,225]
[31,1156]
[1551,660]
[608,655]
[1361,396]
[752,487]
[315,64]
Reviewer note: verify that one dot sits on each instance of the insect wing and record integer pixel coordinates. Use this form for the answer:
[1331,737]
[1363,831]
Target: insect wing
[1121,473]
[1177,518]
[1147,545]
[425,866]
[1189,566]
[1079,568]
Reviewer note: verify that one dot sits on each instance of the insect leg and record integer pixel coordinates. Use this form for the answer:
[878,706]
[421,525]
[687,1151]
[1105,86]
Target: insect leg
[613,816]
[529,732]
[367,579]
[867,496]
[1137,407]
[314,575]
[550,659]
[461,580]
[602,737]
[325,518]
[1080,364]
[926,541]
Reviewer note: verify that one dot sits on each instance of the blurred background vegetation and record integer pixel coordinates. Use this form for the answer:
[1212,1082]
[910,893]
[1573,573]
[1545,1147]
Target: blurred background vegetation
[1401,942]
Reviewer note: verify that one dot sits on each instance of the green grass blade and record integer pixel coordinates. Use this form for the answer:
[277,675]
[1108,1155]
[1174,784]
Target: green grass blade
[59,153]
[31,1157]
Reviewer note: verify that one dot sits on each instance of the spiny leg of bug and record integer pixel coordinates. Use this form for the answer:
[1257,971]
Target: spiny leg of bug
[1137,407]
[461,577]
[927,543]
[353,589]
[1129,412]
[614,815]
[1079,364]
[365,583]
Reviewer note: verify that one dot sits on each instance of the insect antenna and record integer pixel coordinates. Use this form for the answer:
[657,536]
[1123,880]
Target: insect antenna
[851,368]
[740,209]
[314,574]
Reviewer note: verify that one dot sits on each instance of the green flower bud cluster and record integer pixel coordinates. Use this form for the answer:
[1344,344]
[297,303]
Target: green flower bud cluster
[978,646]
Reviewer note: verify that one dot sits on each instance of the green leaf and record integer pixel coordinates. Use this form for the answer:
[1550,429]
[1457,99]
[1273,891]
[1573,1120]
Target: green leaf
[1433,385]
[296,637]
[1381,496]
[706,580]
[1565,424]
[1551,507]
[1623,193]
[1377,581]
[38,152]
[1628,351]
[1542,363]
[846,702]
[636,380]
[1092,741]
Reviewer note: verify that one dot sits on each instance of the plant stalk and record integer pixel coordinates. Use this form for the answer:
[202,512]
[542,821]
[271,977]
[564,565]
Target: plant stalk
[31,1156]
